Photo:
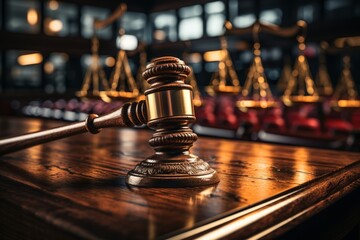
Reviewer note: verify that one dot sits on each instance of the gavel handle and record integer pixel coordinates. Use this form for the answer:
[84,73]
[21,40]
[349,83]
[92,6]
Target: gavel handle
[128,115]
[32,139]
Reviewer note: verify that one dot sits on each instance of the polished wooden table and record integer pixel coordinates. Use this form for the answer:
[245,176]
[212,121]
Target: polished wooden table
[74,188]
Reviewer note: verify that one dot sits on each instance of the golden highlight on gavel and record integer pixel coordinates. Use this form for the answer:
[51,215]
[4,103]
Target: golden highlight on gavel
[168,109]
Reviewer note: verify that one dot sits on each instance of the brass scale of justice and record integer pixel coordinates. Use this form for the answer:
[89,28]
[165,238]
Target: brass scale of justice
[256,92]
[168,109]
[95,85]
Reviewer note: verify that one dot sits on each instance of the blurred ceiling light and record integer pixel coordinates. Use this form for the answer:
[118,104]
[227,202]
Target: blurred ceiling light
[30,59]
[55,25]
[110,61]
[32,16]
[213,56]
[127,42]
[53,5]
[195,58]
[159,35]
[49,67]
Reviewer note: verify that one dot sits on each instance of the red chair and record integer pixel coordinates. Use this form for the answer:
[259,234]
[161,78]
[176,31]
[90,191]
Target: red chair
[338,126]
[273,122]
[205,115]
[305,124]
[355,120]
[249,119]
[226,117]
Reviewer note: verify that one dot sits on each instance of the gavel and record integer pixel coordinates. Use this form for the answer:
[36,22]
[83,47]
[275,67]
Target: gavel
[168,109]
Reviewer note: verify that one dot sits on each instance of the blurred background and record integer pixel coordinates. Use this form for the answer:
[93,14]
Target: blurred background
[47,48]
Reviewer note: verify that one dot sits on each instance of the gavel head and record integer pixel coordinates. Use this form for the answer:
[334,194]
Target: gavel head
[169,110]
[169,99]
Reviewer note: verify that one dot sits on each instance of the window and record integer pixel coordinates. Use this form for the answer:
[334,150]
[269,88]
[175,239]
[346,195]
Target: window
[242,13]
[306,13]
[332,5]
[215,25]
[244,20]
[191,11]
[191,24]
[134,24]
[357,9]
[211,66]
[215,18]
[55,73]
[246,56]
[23,69]
[338,8]
[273,74]
[23,16]
[190,28]
[164,26]
[60,19]
[106,62]
[273,16]
[214,7]
[233,9]
[195,61]
[89,14]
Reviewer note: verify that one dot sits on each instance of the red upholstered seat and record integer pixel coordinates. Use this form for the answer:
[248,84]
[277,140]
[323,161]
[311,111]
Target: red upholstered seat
[249,119]
[226,117]
[205,114]
[273,122]
[338,125]
[305,124]
[355,120]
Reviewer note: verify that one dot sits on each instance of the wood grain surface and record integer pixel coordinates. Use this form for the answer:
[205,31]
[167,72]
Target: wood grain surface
[74,188]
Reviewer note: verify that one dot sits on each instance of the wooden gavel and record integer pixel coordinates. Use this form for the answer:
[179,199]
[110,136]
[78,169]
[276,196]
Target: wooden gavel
[168,108]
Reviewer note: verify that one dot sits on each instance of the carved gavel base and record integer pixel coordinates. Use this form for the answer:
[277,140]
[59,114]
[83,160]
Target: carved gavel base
[168,109]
